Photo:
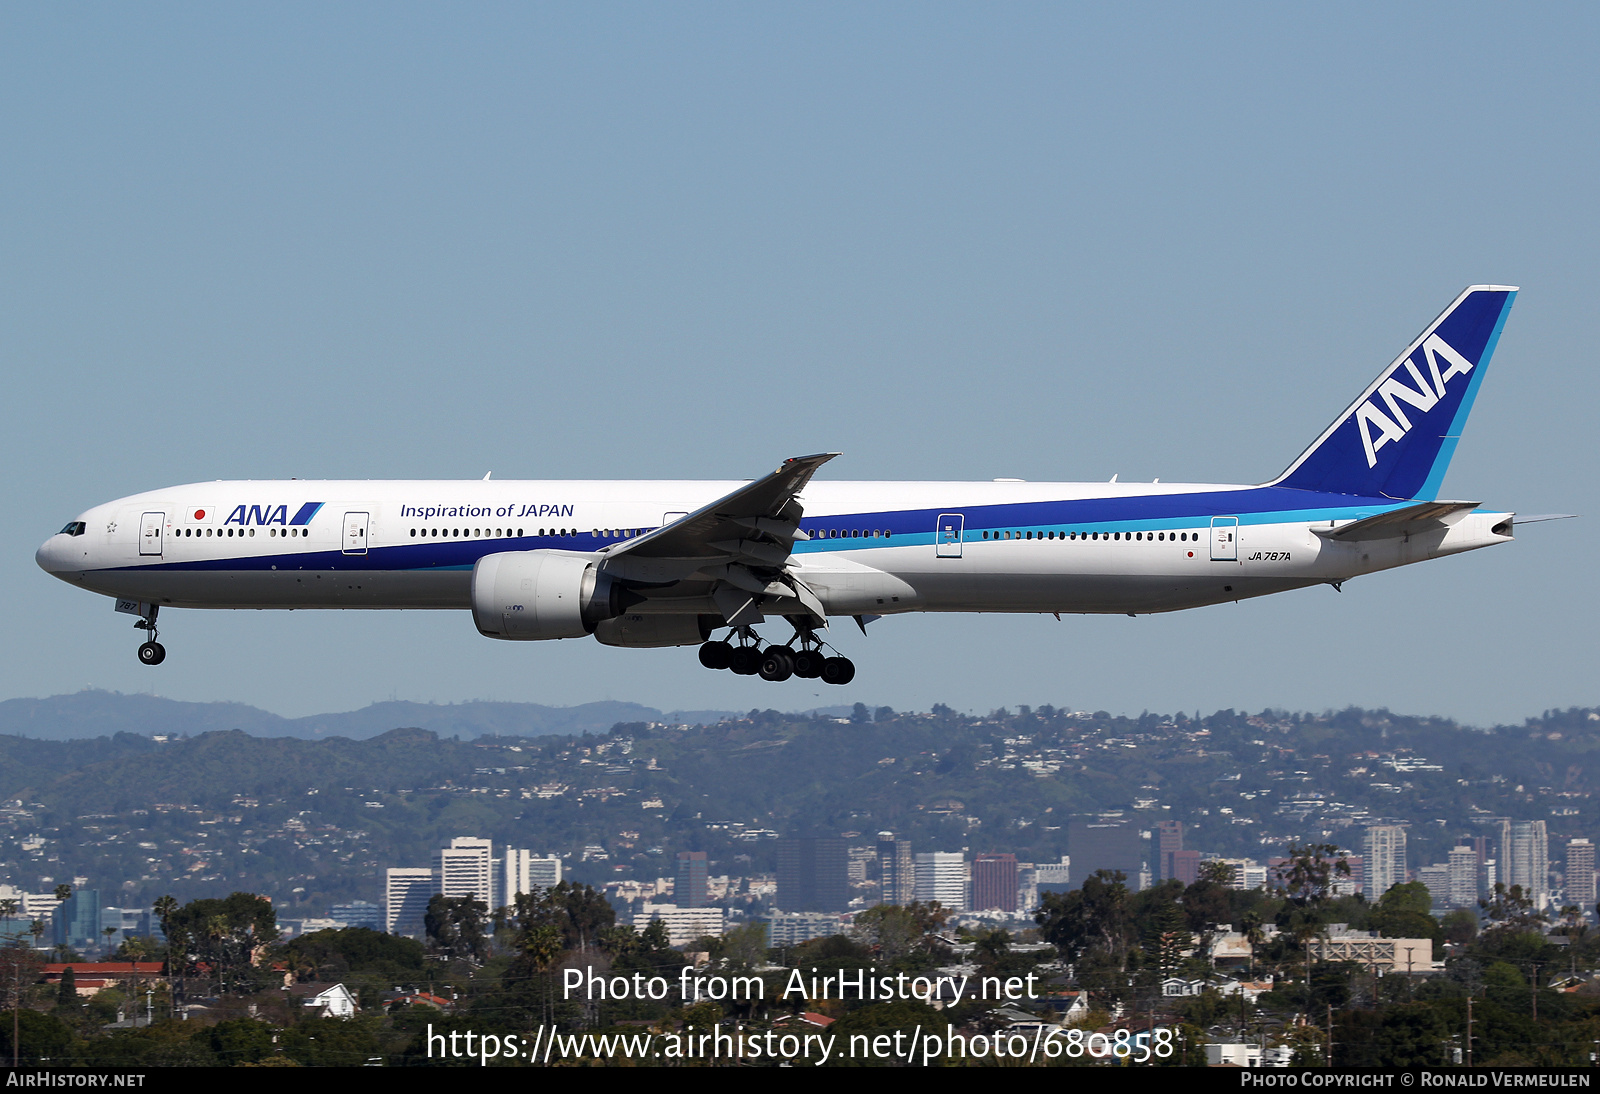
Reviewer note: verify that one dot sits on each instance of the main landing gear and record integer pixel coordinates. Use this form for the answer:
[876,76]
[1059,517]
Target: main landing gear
[750,658]
[151,652]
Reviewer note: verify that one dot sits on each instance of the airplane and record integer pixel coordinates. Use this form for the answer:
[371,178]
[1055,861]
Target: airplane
[655,564]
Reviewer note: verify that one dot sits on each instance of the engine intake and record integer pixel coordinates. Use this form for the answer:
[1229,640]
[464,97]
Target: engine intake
[536,595]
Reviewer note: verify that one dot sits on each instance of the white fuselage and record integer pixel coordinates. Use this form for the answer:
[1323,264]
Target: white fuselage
[875,547]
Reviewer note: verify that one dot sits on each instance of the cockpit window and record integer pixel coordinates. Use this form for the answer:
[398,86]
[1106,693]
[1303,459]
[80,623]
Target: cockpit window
[73,528]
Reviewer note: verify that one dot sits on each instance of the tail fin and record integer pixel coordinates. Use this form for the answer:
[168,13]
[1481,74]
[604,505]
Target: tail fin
[1397,438]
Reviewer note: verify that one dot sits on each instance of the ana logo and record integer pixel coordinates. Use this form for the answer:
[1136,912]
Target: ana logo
[1394,425]
[272,514]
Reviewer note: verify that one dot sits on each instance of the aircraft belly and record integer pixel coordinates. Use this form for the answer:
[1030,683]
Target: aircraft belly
[289,588]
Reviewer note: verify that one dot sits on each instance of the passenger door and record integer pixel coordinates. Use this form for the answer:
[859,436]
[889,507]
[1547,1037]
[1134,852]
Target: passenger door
[151,528]
[355,534]
[947,535]
[1224,539]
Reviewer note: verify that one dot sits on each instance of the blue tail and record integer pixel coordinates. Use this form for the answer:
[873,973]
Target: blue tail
[1396,440]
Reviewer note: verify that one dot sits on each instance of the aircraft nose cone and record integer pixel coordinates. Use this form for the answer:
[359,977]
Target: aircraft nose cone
[52,554]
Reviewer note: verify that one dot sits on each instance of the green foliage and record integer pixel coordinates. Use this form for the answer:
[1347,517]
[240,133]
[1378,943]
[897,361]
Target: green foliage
[67,989]
[42,1037]
[455,927]
[898,933]
[334,1042]
[1094,917]
[335,954]
[227,936]
[241,1041]
[877,1019]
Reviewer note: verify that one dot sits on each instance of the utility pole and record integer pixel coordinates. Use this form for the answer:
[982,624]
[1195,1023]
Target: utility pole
[1328,1056]
[16,1010]
[1469,1030]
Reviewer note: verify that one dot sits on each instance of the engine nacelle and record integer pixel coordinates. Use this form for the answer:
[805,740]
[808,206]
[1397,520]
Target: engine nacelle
[648,631]
[535,595]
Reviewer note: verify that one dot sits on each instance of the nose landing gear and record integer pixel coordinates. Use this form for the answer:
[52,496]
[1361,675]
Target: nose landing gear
[777,663]
[151,652]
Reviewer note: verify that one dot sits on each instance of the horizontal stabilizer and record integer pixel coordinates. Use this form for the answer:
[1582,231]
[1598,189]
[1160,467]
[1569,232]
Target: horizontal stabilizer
[1542,517]
[1428,516]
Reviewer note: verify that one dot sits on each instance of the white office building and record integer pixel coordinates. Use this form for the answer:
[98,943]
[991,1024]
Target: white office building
[406,893]
[1463,878]
[525,872]
[942,876]
[1525,859]
[466,868]
[1384,855]
[683,924]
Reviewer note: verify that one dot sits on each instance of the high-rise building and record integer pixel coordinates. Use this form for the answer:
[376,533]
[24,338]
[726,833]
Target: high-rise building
[76,921]
[813,874]
[1463,890]
[1525,859]
[358,913]
[689,888]
[942,876]
[525,872]
[1054,877]
[1436,879]
[683,924]
[466,868]
[1105,842]
[1383,852]
[406,893]
[1580,874]
[994,883]
[897,875]
[1169,841]
[1027,887]
[1185,867]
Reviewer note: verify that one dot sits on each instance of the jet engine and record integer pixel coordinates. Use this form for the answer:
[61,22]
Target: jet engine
[535,595]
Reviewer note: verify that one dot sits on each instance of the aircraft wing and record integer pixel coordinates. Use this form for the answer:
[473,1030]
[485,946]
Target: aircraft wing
[740,542]
[1427,516]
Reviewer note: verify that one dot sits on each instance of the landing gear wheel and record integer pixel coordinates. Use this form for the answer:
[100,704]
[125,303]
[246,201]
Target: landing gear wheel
[716,655]
[838,670]
[745,661]
[776,664]
[808,664]
[152,653]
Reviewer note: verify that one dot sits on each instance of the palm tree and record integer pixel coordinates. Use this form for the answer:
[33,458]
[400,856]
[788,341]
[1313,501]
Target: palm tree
[8,910]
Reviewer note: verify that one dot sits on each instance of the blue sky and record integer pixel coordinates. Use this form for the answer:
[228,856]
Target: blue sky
[1040,241]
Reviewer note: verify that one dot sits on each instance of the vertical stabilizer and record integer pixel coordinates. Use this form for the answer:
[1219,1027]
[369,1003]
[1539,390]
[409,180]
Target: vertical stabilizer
[1397,438]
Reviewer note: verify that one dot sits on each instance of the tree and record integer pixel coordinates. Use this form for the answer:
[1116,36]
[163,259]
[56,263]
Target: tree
[1092,917]
[578,913]
[229,936]
[897,932]
[1510,910]
[455,927]
[1306,883]
[67,989]
[1312,871]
